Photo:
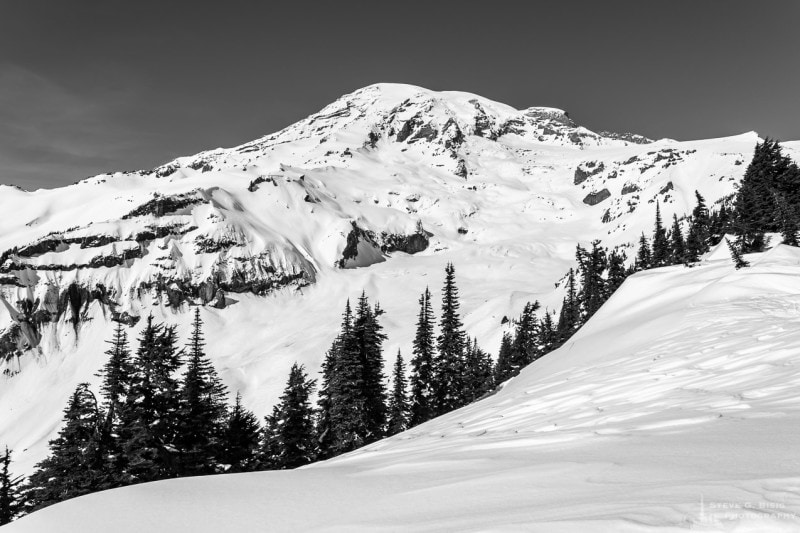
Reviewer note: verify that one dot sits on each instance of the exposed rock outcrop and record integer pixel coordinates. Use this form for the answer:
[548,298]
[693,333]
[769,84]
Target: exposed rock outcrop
[594,198]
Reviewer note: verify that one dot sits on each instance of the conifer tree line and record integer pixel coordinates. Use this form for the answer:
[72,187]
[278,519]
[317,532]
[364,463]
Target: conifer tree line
[162,411]
[768,199]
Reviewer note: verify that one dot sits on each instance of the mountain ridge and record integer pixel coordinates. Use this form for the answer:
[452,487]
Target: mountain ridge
[272,236]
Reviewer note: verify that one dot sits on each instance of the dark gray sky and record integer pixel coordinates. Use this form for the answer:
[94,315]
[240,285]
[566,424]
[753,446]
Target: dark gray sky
[92,86]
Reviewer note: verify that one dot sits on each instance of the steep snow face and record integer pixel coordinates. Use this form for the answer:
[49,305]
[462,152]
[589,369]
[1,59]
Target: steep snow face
[674,408]
[378,191]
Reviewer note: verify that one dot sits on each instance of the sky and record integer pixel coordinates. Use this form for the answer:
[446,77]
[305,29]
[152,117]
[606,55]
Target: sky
[92,86]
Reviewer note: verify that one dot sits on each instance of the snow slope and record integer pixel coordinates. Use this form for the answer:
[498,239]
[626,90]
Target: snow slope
[378,191]
[674,408]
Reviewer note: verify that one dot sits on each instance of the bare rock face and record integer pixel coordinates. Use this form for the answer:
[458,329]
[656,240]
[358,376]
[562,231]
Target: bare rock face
[366,247]
[628,137]
[594,198]
[219,300]
[586,170]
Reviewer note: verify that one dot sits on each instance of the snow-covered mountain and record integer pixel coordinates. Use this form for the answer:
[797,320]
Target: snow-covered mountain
[674,408]
[378,191]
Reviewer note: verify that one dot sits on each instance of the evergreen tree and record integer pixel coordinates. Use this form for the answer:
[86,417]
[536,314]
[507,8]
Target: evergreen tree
[294,421]
[736,255]
[11,501]
[592,266]
[720,223]
[644,259]
[240,439]
[75,465]
[769,172]
[678,244]
[548,336]
[787,220]
[369,339]
[353,397]
[398,401]
[616,273]
[479,377]
[346,412]
[149,418]
[271,442]
[449,377]
[661,248]
[116,375]
[203,410]
[503,370]
[700,212]
[323,426]
[570,318]
[423,364]
[116,378]
[524,348]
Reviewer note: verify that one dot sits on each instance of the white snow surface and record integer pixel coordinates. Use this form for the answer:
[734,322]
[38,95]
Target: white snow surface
[387,158]
[675,408]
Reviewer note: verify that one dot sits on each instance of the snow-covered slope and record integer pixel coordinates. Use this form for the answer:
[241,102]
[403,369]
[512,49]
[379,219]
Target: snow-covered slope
[674,408]
[378,191]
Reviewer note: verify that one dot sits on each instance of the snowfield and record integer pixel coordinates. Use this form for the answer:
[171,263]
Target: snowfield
[504,194]
[676,407]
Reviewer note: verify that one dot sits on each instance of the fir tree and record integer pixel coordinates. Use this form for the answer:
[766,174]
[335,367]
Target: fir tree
[524,348]
[294,422]
[570,318]
[323,425]
[75,465]
[346,412]
[678,244]
[149,419]
[116,378]
[592,265]
[736,255]
[548,336]
[479,377]
[398,401]
[369,339]
[202,408]
[11,500]
[661,248]
[644,259]
[449,376]
[720,223]
[116,375]
[698,238]
[787,220]
[240,439]
[271,441]
[616,273]
[422,364]
[754,206]
[503,370]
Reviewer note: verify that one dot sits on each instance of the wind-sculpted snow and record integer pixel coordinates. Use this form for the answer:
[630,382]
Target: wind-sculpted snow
[376,192]
[675,408]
